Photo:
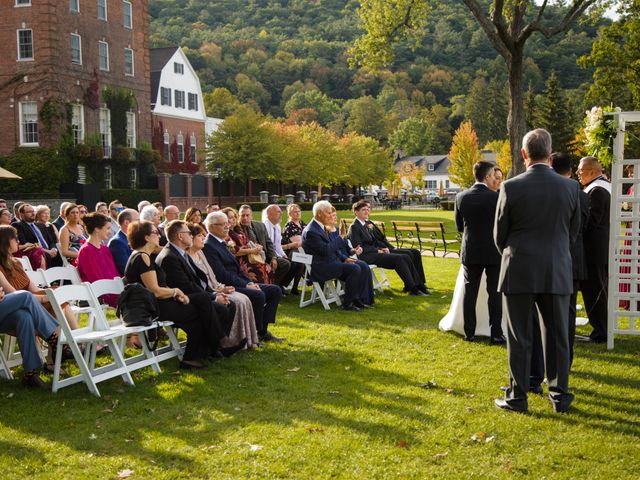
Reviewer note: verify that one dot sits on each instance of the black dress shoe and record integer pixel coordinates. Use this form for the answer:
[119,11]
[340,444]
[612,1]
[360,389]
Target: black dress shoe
[564,405]
[504,405]
[498,340]
[191,365]
[227,352]
[424,289]
[34,381]
[351,307]
[469,339]
[361,305]
[270,337]
[215,356]
[418,293]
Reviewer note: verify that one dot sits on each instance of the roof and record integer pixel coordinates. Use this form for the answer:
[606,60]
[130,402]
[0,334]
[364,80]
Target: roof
[159,58]
[440,162]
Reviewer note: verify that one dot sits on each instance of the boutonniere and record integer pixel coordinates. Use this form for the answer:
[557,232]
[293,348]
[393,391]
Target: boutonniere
[370,226]
[231,245]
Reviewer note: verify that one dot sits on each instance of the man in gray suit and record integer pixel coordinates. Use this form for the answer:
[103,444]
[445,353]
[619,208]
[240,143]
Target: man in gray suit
[537,220]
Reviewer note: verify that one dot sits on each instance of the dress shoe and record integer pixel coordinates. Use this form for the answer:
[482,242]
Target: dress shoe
[424,289]
[418,293]
[34,381]
[361,305]
[270,337]
[295,291]
[351,307]
[504,405]
[589,339]
[191,365]
[227,352]
[563,405]
[469,339]
[215,356]
[498,340]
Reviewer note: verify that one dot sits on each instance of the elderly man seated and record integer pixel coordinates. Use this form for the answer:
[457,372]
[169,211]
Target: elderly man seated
[327,263]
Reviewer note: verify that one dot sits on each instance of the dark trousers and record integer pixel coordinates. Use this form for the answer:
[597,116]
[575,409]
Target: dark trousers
[401,263]
[283,274]
[353,277]
[555,344]
[572,319]
[416,260]
[595,294]
[264,303]
[366,287]
[472,277]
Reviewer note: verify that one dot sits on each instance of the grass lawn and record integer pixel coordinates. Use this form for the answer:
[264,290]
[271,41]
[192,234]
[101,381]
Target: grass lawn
[371,395]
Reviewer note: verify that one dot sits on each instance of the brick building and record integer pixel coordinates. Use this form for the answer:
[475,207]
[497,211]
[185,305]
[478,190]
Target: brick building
[59,56]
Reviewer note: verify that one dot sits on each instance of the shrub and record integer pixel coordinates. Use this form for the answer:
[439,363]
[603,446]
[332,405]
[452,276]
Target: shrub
[447,205]
[43,170]
[131,198]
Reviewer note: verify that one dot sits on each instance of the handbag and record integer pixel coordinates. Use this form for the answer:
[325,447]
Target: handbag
[255,258]
[137,306]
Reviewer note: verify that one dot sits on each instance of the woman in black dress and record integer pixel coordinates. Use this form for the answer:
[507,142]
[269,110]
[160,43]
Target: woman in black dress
[192,313]
[292,239]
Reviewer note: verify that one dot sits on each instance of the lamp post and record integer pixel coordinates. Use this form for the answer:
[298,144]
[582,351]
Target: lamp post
[217,174]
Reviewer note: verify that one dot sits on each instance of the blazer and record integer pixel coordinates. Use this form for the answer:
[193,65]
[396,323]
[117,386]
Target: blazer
[120,250]
[368,236]
[596,235]
[475,211]
[326,262]
[537,219]
[263,239]
[49,234]
[179,273]
[26,235]
[577,249]
[58,222]
[223,263]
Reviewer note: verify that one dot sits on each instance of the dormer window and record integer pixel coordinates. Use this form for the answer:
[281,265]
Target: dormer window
[431,167]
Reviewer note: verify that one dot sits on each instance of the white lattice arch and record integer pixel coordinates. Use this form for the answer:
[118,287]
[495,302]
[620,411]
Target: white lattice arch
[624,239]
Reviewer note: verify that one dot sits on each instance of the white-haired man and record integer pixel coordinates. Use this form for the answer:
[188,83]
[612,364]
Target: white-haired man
[271,219]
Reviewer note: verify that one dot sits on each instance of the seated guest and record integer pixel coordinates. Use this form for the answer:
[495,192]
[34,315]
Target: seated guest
[21,315]
[159,207]
[292,240]
[376,250]
[16,212]
[212,207]
[193,215]
[192,313]
[5,216]
[181,273]
[32,243]
[327,265]
[264,298]
[83,210]
[72,234]
[115,207]
[102,208]
[95,261]
[250,255]
[279,262]
[50,234]
[3,203]
[244,322]
[59,222]
[119,245]
[151,214]
[171,212]
[346,254]
[142,204]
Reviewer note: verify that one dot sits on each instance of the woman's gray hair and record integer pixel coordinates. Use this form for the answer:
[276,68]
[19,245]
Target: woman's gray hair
[321,206]
[41,208]
[148,213]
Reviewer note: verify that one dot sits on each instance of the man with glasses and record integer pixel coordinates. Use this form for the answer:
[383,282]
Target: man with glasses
[115,208]
[29,233]
[264,298]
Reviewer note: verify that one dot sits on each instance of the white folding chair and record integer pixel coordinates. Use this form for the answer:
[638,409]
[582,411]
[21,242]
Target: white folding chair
[327,295]
[26,264]
[37,277]
[59,274]
[380,280]
[65,261]
[5,369]
[97,333]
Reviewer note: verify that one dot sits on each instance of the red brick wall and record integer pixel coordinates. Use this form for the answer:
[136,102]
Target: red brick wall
[176,125]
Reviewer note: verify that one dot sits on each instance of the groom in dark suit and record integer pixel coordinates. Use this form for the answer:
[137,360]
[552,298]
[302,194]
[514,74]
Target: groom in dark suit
[475,212]
[537,220]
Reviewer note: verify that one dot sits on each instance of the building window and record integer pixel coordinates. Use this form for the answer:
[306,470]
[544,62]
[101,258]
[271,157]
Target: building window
[193,101]
[102,10]
[179,99]
[23,3]
[103,56]
[25,44]
[107,177]
[165,96]
[29,123]
[77,123]
[180,141]
[127,12]
[431,167]
[128,62]
[192,148]
[166,152]
[76,49]
[432,184]
[105,132]
[178,68]
[131,130]
[74,5]
[446,184]
[133,178]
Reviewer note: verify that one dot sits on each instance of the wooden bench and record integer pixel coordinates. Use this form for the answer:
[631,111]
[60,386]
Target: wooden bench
[427,235]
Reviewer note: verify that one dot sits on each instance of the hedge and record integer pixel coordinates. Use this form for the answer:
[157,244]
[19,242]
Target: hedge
[131,198]
[447,205]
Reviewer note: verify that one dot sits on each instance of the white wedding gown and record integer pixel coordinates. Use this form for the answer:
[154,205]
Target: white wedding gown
[454,319]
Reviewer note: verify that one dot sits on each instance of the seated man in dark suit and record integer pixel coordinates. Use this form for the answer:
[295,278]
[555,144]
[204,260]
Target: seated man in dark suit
[264,298]
[118,244]
[376,250]
[326,248]
[182,273]
[59,222]
[30,234]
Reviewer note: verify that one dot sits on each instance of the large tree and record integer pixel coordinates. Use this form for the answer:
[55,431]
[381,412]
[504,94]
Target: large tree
[507,25]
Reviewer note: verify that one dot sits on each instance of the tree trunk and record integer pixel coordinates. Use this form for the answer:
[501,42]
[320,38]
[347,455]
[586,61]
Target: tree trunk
[516,121]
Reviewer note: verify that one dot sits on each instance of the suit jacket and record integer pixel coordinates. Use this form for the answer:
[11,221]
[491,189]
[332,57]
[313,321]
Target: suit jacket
[223,263]
[49,234]
[577,249]
[179,273]
[262,237]
[475,211]
[25,234]
[326,262]
[368,236]
[120,250]
[537,219]
[59,223]
[596,235]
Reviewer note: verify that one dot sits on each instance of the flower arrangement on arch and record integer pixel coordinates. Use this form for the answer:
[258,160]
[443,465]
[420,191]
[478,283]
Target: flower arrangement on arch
[600,131]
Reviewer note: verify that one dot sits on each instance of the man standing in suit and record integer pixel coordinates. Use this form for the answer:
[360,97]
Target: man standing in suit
[537,219]
[595,288]
[118,244]
[376,250]
[326,264]
[475,213]
[264,298]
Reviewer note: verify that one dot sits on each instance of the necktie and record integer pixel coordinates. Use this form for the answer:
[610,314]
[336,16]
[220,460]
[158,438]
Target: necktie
[39,236]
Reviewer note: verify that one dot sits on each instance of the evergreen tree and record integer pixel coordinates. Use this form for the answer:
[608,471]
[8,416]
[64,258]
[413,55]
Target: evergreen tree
[554,115]
[530,108]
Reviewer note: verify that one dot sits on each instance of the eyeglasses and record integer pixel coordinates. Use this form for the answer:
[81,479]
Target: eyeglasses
[219,224]
[155,232]
[186,231]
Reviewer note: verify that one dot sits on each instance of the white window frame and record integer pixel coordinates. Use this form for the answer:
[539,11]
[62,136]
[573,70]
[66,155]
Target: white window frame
[132,73]
[166,152]
[431,167]
[19,4]
[74,6]
[77,123]
[133,178]
[24,123]
[180,142]
[100,4]
[20,58]
[107,177]
[106,50]
[131,130]
[127,8]
[179,95]
[193,143]
[79,62]
[105,132]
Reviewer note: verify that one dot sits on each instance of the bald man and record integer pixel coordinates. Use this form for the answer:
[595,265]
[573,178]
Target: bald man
[283,271]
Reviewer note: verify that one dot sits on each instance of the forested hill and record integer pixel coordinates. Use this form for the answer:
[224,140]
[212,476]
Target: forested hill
[264,51]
